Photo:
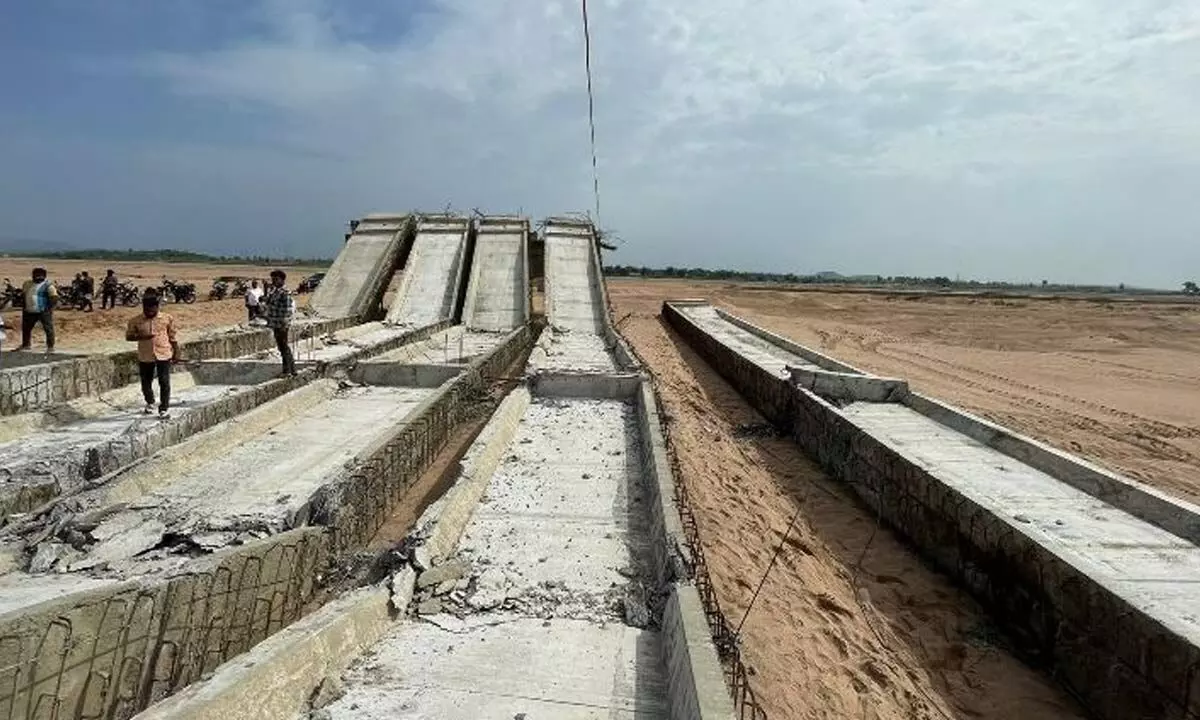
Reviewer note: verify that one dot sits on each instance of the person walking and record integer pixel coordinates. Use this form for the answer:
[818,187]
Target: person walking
[280,308]
[40,296]
[88,286]
[158,349]
[253,299]
[108,290]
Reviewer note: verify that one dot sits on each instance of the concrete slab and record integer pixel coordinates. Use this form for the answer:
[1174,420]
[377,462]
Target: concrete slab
[347,288]
[572,351]
[771,358]
[498,292]
[1158,571]
[573,297]
[431,279]
[339,345]
[455,345]
[511,667]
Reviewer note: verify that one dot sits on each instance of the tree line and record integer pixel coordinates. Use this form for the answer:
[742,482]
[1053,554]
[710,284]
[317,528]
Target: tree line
[174,256]
[898,281]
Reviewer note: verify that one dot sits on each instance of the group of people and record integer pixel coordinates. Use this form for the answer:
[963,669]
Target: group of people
[155,332]
[158,349]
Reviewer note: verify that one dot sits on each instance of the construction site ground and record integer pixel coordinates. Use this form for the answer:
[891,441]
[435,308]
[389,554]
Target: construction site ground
[851,622]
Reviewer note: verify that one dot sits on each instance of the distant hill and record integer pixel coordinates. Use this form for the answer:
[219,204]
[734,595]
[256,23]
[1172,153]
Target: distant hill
[31,246]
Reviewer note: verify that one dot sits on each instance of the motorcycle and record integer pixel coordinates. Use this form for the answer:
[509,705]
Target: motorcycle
[219,290]
[71,297]
[179,292]
[11,296]
[128,294]
[239,289]
[310,283]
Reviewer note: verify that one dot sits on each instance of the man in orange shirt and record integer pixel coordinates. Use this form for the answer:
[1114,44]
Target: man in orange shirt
[154,332]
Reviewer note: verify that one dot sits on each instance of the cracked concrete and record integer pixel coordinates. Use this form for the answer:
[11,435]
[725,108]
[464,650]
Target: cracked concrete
[431,279]
[544,605]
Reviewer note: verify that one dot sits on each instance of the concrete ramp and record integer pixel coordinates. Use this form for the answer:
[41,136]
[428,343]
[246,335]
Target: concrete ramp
[574,295]
[360,274]
[430,285]
[498,293]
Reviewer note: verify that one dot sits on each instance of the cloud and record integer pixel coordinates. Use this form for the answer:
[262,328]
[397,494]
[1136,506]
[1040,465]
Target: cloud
[898,135]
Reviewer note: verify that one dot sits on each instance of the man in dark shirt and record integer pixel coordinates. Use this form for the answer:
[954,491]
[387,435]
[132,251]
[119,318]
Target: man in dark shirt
[280,307]
[108,291]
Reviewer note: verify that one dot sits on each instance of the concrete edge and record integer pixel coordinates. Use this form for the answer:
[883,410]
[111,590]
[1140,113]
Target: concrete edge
[441,525]
[278,678]
[546,383]
[821,360]
[1146,503]
[112,651]
[850,387]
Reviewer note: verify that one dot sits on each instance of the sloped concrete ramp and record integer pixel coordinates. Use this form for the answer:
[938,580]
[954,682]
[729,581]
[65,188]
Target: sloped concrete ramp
[359,276]
[433,275]
[498,293]
[574,299]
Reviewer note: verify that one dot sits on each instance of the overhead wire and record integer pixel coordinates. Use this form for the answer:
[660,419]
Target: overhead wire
[587,61]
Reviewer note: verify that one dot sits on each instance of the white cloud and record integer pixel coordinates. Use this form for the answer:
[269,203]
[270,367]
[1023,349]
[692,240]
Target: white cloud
[819,113]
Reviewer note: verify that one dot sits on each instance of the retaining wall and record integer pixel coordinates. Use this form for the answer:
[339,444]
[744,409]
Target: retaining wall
[35,387]
[1123,664]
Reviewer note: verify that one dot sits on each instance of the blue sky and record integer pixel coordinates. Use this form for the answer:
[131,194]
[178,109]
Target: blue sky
[1019,140]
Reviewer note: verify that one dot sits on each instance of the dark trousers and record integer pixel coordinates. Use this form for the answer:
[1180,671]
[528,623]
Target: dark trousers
[147,371]
[29,319]
[108,299]
[251,312]
[285,350]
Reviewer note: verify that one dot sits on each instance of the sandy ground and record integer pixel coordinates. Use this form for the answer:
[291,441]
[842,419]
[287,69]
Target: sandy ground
[103,331]
[850,622]
[1117,383]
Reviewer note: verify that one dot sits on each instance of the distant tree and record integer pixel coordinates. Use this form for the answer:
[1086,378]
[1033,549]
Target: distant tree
[1190,288]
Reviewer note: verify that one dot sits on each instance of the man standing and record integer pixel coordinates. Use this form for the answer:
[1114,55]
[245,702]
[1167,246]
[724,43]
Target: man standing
[89,291]
[108,291]
[154,332]
[280,308]
[40,296]
[253,297]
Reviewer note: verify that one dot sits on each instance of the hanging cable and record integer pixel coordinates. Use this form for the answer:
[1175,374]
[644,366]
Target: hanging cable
[587,60]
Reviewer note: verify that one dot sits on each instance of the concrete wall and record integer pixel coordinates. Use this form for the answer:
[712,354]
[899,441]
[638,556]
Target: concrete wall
[110,652]
[359,277]
[1120,662]
[498,292]
[35,387]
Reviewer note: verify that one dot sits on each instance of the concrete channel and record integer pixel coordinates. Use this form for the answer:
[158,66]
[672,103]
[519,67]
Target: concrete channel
[498,290]
[127,591]
[551,580]
[359,276]
[434,275]
[1094,575]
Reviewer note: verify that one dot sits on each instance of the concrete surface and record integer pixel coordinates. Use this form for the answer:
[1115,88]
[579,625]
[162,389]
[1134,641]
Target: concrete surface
[580,351]
[573,298]
[772,358]
[849,387]
[340,345]
[432,276]
[1157,572]
[454,345]
[359,275]
[560,547]
[498,292]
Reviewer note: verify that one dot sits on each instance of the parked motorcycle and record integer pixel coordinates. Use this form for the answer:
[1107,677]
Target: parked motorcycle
[11,296]
[179,292]
[220,290]
[129,294]
[310,283]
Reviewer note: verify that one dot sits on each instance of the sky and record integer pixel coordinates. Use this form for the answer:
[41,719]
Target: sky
[1019,140]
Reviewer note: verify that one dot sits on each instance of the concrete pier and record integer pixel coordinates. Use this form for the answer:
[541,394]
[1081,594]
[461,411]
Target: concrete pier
[434,274]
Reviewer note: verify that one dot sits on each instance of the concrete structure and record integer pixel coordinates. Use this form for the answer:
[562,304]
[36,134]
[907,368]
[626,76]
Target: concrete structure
[1092,573]
[453,346]
[498,292]
[355,284]
[40,387]
[580,336]
[142,622]
[433,278]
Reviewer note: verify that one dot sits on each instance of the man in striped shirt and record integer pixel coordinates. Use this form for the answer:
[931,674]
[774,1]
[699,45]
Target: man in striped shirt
[280,307]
